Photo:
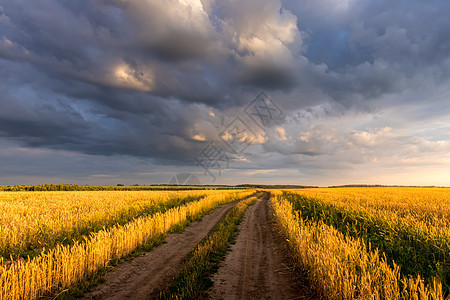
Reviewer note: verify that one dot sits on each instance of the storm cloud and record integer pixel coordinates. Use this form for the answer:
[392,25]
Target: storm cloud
[149,84]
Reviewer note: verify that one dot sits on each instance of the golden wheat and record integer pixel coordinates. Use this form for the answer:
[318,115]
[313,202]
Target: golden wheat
[33,220]
[341,267]
[429,204]
[61,266]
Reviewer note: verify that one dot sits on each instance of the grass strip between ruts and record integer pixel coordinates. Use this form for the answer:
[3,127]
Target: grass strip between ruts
[193,280]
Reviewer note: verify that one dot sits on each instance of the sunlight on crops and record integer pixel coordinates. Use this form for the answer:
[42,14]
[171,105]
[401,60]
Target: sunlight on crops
[57,268]
[370,243]
[423,203]
[33,220]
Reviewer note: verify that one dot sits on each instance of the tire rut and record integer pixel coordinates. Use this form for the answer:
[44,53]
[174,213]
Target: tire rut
[258,266]
[145,276]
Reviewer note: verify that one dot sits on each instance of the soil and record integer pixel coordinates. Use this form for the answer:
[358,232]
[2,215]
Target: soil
[146,276]
[258,266]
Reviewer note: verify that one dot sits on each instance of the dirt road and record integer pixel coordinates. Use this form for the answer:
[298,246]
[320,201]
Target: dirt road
[257,266]
[145,276]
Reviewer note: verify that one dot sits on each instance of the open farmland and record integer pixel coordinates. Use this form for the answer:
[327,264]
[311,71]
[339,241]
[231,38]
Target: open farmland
[31,221]
[386,243]
[329,243]
[226,150]
[103,227]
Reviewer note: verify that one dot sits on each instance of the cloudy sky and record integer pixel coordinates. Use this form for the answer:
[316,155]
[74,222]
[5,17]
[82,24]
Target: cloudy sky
[137,91]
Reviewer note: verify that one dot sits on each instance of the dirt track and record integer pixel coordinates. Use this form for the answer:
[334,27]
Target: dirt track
[145,276]
[257,266]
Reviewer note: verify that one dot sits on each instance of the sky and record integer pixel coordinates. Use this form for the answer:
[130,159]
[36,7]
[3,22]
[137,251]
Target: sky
[311,92]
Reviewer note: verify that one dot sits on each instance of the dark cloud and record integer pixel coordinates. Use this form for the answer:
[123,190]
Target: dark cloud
[374,48]
[142,78]
[270,77]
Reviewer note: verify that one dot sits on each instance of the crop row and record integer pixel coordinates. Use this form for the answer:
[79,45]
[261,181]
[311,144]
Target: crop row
[342,266]
[64,265]
[419,246]
[32,221]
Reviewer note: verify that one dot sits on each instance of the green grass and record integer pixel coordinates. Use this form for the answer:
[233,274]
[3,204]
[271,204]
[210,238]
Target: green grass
[193,280]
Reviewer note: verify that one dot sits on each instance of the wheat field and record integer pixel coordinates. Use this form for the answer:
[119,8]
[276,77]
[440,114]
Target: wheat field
[30,221]
[352,243]
[57,268]
[370,243]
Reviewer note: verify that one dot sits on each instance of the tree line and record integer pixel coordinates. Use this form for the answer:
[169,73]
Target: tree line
[118,187]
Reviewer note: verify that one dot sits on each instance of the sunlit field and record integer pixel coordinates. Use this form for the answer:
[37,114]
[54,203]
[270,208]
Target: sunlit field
[370,243]
[33,220]
[349,243]
[50,240]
